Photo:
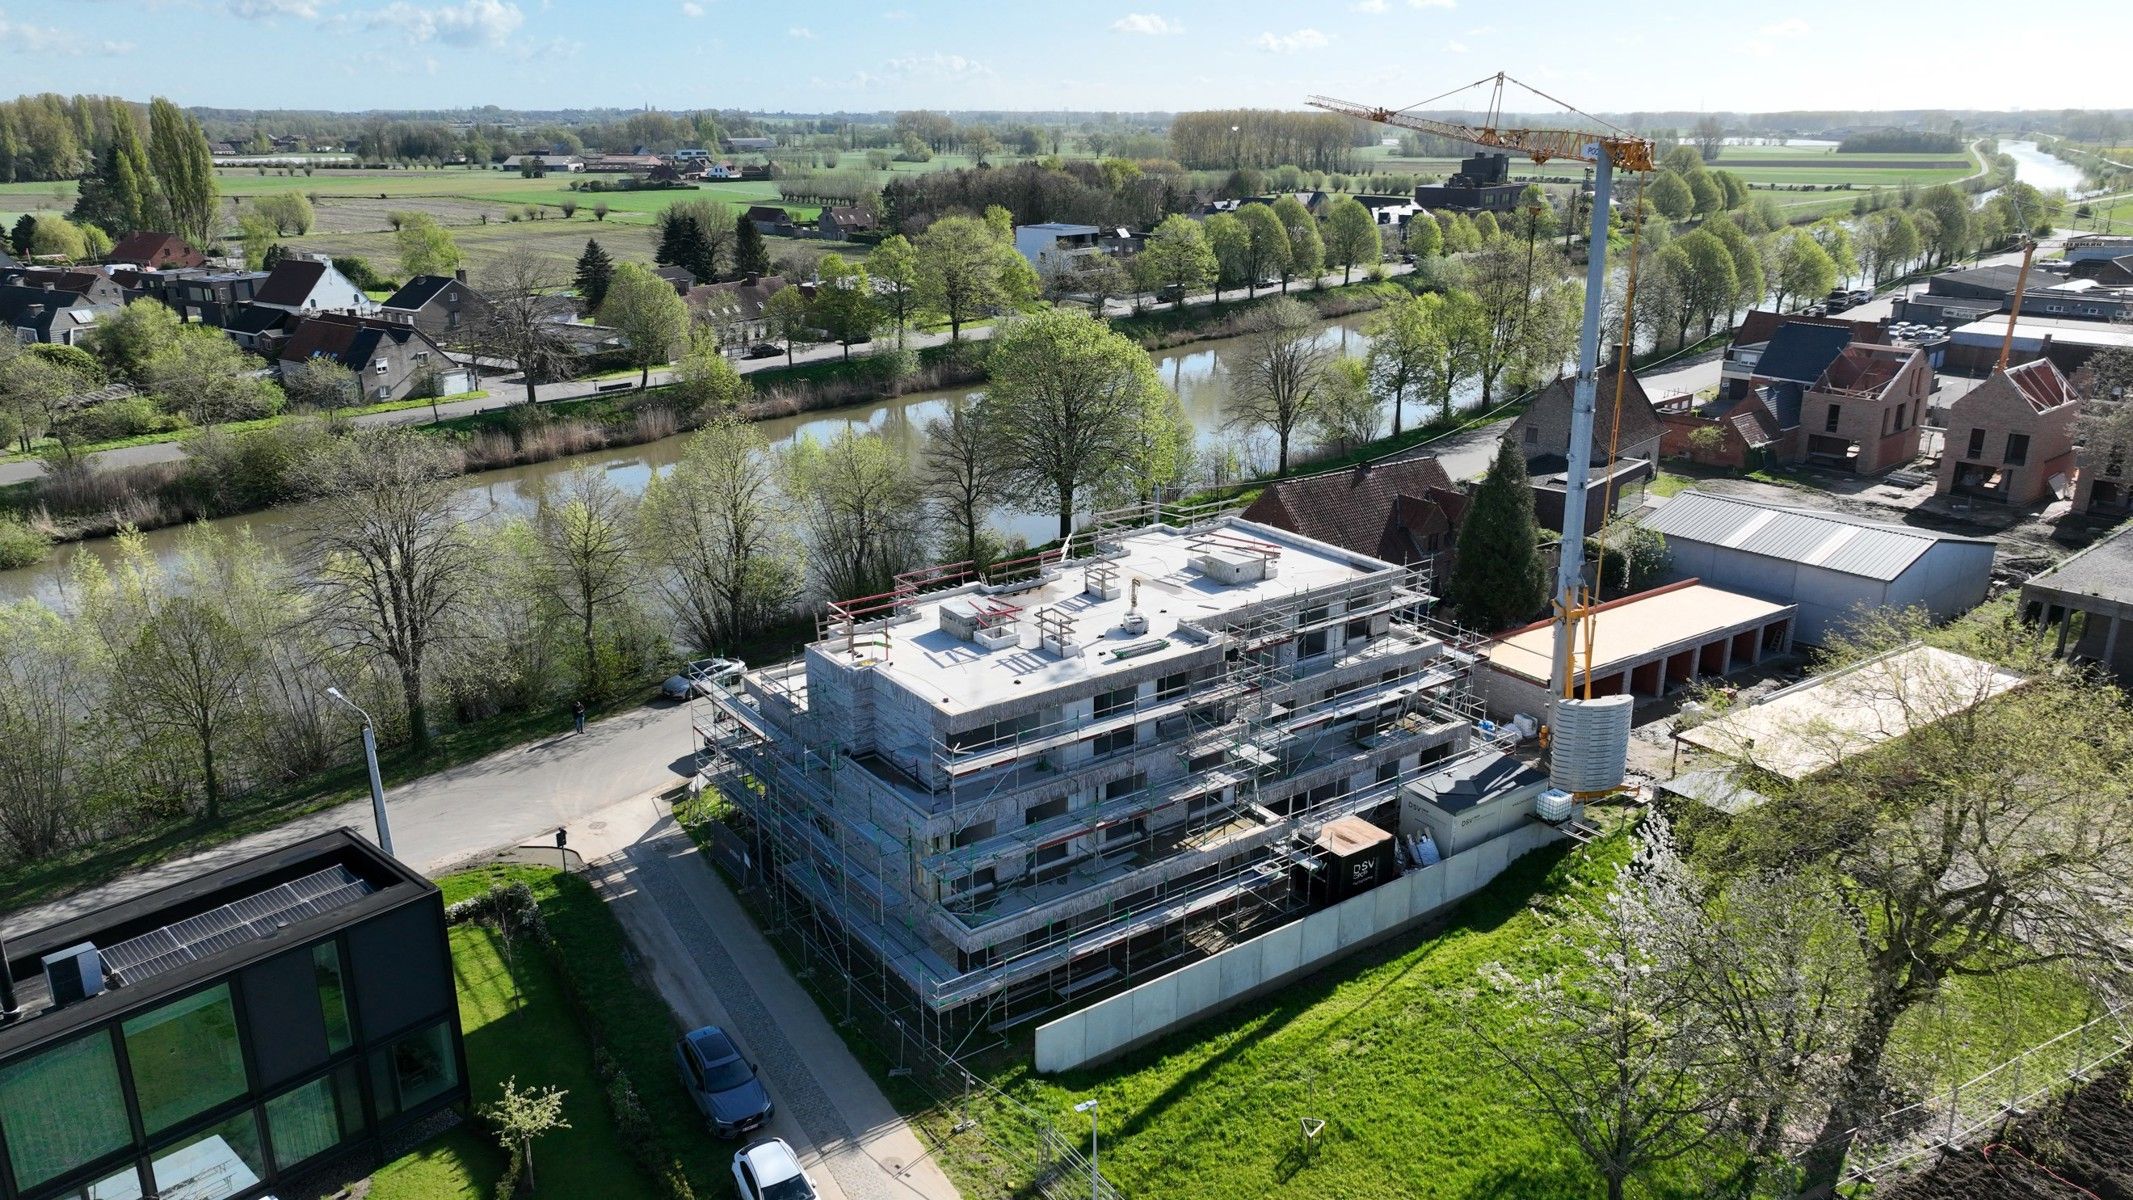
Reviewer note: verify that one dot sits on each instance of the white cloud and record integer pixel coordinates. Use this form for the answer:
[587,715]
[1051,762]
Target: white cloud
[470,23]
[1456,47]
[1151,24]
[253,10]
[1369,6]
[58,43]
[1789,27]
[802,32]
[936,67]
[690,8]
[1432,3]
[1290,43]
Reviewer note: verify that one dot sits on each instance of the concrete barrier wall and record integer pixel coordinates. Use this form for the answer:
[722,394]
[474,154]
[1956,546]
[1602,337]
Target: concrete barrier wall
[1133,1018]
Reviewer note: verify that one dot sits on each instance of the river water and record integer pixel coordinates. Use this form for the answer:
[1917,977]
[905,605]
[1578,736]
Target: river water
[1199,373]
[2040,170]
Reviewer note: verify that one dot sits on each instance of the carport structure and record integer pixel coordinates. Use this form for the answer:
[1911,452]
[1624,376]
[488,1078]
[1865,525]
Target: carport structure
[1646,645]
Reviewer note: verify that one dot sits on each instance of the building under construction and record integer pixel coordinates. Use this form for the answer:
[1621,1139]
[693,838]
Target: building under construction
[993,793]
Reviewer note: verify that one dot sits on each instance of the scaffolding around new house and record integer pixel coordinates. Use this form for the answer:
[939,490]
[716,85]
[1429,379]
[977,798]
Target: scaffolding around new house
[1264,757]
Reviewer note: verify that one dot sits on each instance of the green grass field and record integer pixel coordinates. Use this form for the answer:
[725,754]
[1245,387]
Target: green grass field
[1379,1047]
[518,1024]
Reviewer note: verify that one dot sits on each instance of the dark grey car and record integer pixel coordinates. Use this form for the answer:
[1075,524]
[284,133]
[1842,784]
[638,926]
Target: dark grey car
[721,1082]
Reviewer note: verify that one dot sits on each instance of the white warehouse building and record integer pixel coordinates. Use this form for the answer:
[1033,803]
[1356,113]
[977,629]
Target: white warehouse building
[1831,565]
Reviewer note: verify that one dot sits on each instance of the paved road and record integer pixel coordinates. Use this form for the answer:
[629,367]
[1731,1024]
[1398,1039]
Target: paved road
[715,968]
[450,817]
[510,389]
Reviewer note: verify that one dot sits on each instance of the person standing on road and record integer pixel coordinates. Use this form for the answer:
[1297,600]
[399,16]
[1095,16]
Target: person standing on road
[577,716]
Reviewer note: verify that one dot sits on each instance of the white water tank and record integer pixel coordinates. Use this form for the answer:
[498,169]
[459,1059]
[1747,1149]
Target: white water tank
[1588,748]
[1554,806]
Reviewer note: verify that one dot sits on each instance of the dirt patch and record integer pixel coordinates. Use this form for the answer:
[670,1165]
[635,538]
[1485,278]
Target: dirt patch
[2081,1148]
[359,214]
[557,239]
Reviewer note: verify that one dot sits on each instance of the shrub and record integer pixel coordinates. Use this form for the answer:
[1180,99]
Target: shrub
[20,545]
[129,416]
[360,273]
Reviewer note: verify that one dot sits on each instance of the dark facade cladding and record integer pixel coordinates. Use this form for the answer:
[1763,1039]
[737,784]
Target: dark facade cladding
[251,1021]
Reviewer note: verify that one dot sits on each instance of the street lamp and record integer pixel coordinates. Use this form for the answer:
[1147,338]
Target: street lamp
[1089,1107]
[370,758]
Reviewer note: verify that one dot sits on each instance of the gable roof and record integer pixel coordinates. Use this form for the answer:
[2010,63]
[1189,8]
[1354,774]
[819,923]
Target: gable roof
[1812,537]
[350,341]
[746,296]
[850,217]
[1760,324]
[419,291]
[254,319]
[1356,509]
[1640,421]
[291,282]
[769,212]
[154,250]
[1800,351]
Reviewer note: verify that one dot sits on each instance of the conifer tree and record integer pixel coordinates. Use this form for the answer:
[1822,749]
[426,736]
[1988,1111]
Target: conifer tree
[1499,579]
[595,270]
[750,255]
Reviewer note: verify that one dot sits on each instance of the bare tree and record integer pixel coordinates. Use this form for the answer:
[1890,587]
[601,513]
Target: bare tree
[719,530]
[1278,379]
[523,289]
[962,477]
[1624,1063]
[390,552]
[586,528]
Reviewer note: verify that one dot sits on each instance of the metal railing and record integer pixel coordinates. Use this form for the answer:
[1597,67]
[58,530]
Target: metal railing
[1986,1101]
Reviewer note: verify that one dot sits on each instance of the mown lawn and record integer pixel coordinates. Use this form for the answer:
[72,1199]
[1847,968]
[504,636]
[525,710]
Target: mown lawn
[518,1025]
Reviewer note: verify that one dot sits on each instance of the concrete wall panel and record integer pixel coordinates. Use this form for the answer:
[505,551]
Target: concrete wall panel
[1141,1014]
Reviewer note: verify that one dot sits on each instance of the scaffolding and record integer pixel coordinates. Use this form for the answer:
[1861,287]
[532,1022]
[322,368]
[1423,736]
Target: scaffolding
[1191,840]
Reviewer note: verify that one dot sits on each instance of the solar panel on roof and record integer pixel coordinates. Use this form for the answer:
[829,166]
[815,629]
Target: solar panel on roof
[246,919]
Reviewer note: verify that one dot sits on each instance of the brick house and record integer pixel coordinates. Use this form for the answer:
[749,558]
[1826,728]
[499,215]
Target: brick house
[1404,512]
[390,359]
[2011,439]
[441,306]
[155,251]
[1746,434]
[1542,434]
[839,223]
[1865,409]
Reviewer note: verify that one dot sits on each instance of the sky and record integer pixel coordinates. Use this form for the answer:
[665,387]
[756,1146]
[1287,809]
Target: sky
[1134,55]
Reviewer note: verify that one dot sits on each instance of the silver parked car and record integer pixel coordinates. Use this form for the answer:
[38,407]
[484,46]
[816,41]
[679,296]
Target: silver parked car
[695,678]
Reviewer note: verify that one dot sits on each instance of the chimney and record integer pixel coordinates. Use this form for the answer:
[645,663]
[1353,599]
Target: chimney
[753,279]
[460,274]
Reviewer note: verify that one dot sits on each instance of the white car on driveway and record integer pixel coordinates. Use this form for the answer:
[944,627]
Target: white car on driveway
[769,1170]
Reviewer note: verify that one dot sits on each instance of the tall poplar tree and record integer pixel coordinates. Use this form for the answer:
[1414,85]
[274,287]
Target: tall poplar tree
[184,171]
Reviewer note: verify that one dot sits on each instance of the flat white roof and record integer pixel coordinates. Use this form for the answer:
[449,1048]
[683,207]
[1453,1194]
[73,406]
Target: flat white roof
[2033,330]
[957,676]
[1632,630]
[1816,724]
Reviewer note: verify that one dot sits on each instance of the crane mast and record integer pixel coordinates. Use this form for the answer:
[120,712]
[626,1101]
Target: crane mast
[1606,153]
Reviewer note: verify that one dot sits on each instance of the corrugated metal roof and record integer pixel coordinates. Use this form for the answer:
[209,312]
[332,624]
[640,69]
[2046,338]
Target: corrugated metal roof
[1832,541]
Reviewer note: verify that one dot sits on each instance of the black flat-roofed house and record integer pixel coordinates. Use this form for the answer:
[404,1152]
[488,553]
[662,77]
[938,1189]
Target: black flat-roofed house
[1482,184]
[209,1039]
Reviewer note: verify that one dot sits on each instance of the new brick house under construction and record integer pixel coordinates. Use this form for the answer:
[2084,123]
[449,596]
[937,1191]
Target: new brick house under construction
[990,795]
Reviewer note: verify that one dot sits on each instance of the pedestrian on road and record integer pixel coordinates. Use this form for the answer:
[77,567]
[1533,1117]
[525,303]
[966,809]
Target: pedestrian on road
[577,716]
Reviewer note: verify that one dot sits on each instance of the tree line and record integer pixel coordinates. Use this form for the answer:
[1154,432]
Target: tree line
[1227,139]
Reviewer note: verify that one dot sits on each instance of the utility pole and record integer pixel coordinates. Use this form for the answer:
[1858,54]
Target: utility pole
[370,759]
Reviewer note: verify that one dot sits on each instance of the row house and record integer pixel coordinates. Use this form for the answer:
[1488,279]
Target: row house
[2011,439]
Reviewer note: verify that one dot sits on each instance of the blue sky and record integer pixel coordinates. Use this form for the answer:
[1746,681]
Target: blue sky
[1136,55]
